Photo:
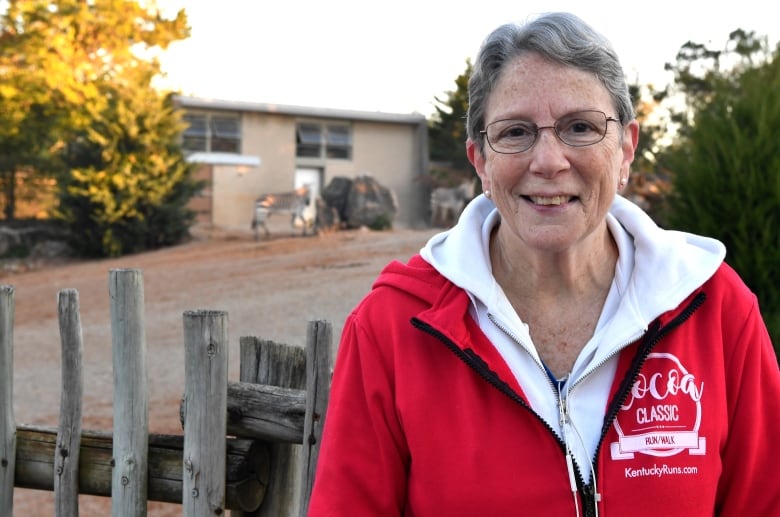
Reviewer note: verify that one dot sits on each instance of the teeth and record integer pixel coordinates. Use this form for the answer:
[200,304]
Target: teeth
[554,200]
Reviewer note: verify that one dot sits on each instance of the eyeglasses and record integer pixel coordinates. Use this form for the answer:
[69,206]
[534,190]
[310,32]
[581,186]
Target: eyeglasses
[578,129]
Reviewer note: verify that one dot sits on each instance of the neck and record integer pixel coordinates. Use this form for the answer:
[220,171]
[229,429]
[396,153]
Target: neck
[559,295]
[578,273]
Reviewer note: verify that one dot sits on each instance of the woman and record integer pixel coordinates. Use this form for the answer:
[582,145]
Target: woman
[554,353]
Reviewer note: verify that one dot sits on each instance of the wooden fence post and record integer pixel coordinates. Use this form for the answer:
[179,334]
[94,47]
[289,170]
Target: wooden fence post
[131,398]
[205,412]
[8,424]
[291,385]
[266,362]
[66,457]
[318,368]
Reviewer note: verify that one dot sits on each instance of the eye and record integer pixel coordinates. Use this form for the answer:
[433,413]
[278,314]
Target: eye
[515,130]
[577,127]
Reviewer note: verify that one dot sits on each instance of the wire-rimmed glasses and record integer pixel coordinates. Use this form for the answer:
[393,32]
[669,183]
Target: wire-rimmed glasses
[576,129]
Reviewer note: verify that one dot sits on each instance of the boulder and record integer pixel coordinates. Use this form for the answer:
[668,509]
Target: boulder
[361,201]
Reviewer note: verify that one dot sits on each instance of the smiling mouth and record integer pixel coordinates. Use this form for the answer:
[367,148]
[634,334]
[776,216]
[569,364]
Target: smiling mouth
[551,200]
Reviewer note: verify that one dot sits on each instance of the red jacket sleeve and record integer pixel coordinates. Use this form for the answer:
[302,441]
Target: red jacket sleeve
[363,458]
[751,453]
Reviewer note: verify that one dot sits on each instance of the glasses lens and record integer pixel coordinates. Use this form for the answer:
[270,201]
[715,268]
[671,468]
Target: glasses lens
[576,129]
[511,136]
[582,128]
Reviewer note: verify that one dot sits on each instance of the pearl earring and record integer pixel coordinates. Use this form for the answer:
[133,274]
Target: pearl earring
[622,182]
[487,193]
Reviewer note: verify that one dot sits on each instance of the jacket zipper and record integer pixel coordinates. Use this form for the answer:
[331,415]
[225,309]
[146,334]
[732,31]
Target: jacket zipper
[476,363]
[654,334]
[575,474]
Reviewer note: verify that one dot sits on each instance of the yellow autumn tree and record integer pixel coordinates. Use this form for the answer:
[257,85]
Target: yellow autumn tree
[79,107]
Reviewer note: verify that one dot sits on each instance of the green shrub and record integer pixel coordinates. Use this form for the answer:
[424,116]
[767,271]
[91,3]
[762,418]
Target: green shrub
[382,222]
[127,184]
[16,251]
[726,180]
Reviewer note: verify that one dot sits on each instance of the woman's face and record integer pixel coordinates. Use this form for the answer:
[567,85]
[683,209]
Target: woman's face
[552,197]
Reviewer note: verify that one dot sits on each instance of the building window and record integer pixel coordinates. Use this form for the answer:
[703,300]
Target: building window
[308,141]
[212,133]
[339,142]
[225,134]
[196,135]
[315,140]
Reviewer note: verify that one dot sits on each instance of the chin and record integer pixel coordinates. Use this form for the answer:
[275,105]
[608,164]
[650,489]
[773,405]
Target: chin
[549,243]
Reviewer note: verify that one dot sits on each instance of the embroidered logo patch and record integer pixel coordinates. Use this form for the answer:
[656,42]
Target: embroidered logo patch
[662,413]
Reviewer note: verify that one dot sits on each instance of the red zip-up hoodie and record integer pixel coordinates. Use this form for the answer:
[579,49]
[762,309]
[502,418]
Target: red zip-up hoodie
[427,420]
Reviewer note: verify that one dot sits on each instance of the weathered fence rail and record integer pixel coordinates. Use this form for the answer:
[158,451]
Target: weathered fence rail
[249,446]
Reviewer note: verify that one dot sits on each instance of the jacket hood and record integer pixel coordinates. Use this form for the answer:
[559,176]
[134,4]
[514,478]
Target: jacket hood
[416,278]
[656,271]
[667,265]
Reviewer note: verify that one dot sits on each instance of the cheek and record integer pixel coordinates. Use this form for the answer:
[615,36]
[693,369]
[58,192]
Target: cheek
[504,170]
[610,162]
[601,172]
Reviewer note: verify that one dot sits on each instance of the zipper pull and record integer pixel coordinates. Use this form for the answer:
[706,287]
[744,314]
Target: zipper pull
[563,412]
[561,415]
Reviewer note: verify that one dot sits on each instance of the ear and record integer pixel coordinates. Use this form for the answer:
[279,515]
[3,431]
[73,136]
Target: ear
[629,143]
[477,159]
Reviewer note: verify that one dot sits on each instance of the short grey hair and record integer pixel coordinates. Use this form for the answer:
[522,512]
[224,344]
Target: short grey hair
[559,37]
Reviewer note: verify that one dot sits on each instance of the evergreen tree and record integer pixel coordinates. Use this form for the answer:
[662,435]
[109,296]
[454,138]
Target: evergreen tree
[447,135]
[128,184]
[725,166]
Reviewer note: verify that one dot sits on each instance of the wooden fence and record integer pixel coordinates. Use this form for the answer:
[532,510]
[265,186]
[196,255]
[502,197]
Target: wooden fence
[248,446]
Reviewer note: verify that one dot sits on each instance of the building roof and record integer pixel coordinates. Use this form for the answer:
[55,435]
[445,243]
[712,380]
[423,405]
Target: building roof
[298,111]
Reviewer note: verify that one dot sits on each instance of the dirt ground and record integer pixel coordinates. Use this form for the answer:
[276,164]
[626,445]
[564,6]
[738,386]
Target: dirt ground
[270,288]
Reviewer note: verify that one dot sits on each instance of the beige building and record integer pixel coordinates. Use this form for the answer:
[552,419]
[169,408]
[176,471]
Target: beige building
[249,149]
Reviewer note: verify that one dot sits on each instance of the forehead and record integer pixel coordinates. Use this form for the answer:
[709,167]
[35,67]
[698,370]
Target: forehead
[535,88]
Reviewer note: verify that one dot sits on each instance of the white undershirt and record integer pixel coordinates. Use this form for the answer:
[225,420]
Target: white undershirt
[586,403]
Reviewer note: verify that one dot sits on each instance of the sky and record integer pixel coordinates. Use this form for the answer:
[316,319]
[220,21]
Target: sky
[397,57]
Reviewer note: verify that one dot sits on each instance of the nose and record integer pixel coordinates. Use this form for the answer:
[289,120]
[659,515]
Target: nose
[547,154]
[539,131]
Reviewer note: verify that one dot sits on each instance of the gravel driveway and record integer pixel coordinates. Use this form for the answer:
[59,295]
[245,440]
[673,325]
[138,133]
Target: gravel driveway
[269,288]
